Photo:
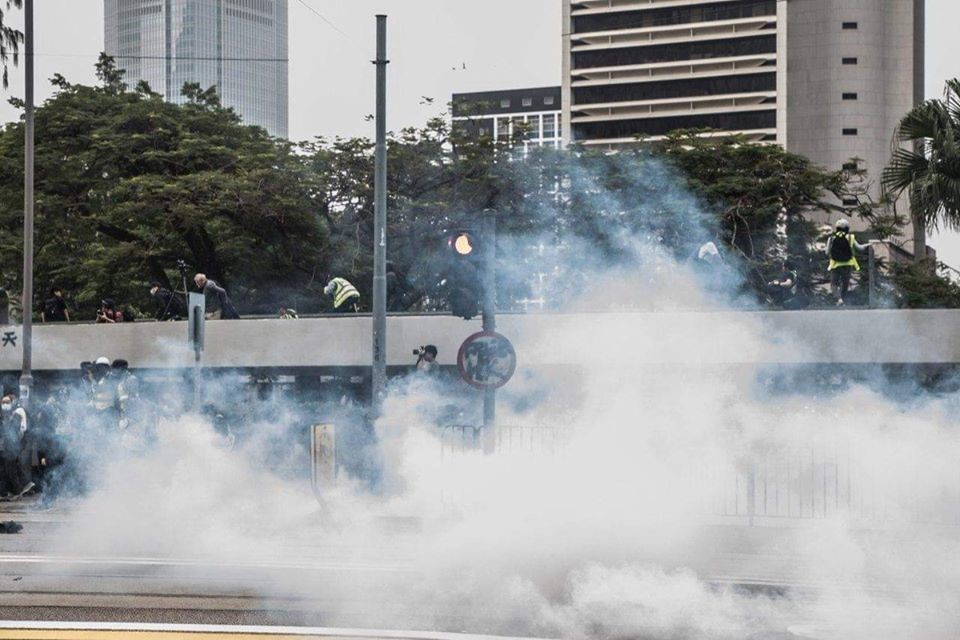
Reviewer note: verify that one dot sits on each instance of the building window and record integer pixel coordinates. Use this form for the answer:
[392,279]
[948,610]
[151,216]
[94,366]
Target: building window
[849,26]
[548,101]
[850,132]
[849,61]
[849,96]
[533,128]
[527,102]
[675,88]
[699,50]
[549,126]
[504,104]
[503,128]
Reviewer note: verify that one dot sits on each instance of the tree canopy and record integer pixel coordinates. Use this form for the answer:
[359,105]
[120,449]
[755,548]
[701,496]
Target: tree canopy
[127,184]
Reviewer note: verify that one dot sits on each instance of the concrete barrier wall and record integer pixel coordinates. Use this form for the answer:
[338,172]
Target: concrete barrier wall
[854,337]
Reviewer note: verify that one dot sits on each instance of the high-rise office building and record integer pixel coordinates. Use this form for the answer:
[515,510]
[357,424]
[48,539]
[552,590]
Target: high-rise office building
[238,46]
[829,79]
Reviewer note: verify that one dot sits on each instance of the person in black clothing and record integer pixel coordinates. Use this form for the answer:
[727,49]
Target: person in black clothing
[401,294]
[55,307]
[169,305]
[785,290]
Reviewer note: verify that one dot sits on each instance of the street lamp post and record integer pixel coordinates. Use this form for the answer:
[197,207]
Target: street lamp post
[26,377]
[379,374]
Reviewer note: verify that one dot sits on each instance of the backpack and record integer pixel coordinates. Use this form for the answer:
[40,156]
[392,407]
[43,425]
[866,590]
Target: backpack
[840,249]
[128,316]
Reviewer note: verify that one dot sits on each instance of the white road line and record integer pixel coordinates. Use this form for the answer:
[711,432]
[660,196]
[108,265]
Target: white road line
[228,629]
[186,562]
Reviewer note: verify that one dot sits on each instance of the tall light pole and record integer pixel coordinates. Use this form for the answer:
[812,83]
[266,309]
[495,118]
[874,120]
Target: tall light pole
[26,377]
[380,224]
[490,308]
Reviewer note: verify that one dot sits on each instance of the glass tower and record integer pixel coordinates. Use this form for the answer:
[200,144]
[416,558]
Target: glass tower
[237,46]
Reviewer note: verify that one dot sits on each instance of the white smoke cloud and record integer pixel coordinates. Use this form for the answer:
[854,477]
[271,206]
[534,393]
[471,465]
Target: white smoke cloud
[619,510]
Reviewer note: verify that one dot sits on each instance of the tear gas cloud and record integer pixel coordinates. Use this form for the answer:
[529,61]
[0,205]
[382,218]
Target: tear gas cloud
[617,511]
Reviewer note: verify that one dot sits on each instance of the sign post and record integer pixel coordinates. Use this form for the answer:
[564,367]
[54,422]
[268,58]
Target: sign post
[490,315]
[487,361]
[196,328]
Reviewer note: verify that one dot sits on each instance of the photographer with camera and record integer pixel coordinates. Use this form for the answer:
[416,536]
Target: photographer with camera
[427,360]
[169,305]
[108,312]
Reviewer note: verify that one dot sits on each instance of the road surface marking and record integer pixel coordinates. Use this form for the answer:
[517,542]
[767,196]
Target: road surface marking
[15,630]
[389,566]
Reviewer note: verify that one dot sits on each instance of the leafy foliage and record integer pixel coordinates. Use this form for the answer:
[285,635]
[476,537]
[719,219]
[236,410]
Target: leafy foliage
[10,40]
[925,285]
[127,184]
[929,168]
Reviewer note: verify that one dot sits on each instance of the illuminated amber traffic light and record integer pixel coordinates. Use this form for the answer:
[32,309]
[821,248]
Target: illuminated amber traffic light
[462,243]
[463,276]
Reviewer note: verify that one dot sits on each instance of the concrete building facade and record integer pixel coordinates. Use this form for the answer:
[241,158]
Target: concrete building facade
[829,79]
[503,114]
[238,46]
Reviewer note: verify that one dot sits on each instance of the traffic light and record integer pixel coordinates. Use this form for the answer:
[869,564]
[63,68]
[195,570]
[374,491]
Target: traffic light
[464,275]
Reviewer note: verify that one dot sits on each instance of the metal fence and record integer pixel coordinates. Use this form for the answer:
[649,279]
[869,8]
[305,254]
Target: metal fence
[820,480]
[534,439]
[824,480]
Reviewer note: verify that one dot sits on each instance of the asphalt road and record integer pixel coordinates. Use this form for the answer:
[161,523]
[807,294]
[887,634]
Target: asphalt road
[354,585]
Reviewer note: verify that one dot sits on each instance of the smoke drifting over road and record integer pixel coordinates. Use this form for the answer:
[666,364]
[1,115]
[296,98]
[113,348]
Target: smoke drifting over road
[619,511]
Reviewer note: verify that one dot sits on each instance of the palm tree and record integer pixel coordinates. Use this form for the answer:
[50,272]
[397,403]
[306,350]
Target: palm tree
[10,40]
[929,167]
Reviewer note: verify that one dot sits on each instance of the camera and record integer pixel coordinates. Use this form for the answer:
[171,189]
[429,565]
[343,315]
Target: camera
[182,266]
[418,352]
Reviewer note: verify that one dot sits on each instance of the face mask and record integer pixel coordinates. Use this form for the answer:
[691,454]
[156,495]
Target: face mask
[6,406]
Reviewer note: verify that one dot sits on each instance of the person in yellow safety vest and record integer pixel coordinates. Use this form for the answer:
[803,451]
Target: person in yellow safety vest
[841,249]
[346,298]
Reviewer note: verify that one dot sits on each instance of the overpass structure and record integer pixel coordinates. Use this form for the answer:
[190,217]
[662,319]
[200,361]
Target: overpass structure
[337,343]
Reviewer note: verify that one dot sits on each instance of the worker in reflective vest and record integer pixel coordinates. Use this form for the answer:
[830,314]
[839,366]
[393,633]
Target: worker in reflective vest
[843,261]
[346,298]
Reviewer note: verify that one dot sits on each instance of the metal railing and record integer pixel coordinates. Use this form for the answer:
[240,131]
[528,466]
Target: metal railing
[826,480]
[820,480]
[534,439]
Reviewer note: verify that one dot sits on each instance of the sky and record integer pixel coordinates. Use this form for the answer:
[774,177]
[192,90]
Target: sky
[436,48]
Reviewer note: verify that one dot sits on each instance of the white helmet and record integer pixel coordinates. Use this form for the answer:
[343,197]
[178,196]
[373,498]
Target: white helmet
[102,360]
[842,224]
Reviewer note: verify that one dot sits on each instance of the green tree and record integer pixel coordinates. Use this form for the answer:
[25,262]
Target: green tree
[925,285]
[763,198]
[127,184]
[928,167]
[556,208]
[10,40]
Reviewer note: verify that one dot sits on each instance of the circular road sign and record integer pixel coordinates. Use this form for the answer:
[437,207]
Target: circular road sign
[487,360]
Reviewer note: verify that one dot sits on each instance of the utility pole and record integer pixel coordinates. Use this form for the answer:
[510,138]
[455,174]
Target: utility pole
[26,376]
[489,244]
[380,224]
